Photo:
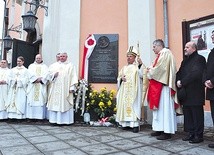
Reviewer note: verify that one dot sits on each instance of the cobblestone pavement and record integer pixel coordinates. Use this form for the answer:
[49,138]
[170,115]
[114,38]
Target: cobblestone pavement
[18,138]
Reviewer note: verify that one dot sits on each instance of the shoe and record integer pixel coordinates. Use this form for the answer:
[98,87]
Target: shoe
[53,124]
[188,138]
[164,136]
[126,128]
[196,140]
[211,145]
[135,129]
[156,133]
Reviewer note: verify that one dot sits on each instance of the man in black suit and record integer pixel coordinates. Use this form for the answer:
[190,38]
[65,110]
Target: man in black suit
[209,81]
[189,78]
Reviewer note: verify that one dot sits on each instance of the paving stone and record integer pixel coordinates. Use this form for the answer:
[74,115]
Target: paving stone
[52,146]
[106,138]
[121,153]
[108,129]
[128,134]
[125,144]
[20,150]
[42,139]
[13,143]
[45,139]
[145,139]
[88,132]
[148,150]
[174,145]
[47,127]
[33,133]
[4,125]
[99,149]
[67,136]
[24,127]
[70,151]
[11,140]
[58,130]
[198,151]
[81,141]
[7,130]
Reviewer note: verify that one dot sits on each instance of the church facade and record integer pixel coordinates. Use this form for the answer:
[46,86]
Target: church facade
[66,24]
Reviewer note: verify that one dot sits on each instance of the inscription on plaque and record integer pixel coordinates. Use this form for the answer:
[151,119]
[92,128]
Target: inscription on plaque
[103,62]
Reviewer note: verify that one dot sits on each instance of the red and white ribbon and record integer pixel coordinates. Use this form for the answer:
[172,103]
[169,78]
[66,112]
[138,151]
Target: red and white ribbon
[89,45]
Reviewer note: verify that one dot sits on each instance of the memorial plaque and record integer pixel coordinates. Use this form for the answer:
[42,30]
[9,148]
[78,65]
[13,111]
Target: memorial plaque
[103,62]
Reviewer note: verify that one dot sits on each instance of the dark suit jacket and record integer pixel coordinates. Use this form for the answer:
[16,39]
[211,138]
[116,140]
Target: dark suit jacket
[191,73]
[209,75]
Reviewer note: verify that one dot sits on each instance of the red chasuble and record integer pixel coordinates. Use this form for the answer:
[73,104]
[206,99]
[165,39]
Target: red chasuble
[154,91]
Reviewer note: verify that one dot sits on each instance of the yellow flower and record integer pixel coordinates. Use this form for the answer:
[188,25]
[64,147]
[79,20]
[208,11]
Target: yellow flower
[103,89]
[113,92]
[115,109]
[101,104]
[95,92]
[101,95]
[109,103]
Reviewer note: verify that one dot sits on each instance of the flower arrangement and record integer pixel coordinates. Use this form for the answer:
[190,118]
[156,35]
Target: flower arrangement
[103,103]
[81,96]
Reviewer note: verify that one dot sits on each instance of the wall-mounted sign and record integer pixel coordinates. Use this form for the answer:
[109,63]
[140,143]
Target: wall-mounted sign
[103,62]
[199,31]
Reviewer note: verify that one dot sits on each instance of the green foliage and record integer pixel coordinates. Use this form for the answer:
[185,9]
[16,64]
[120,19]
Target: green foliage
[103,103]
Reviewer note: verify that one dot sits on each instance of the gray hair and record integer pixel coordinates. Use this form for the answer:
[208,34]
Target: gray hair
[159,42]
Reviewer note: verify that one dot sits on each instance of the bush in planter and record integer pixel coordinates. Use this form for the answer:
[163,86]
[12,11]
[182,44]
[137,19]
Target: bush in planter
[103,103]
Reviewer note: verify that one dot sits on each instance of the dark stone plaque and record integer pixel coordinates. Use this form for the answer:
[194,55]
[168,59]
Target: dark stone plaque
[103,62]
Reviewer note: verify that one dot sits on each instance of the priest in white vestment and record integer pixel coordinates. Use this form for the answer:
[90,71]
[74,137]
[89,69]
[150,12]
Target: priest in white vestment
[17,96]
[37,89]
[129,96]
[4,71]
[63,81]
[53,66]
[162,96]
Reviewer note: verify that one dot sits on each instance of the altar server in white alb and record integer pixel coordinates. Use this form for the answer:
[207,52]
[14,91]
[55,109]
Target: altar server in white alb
[37,89]
[63,81]
[4,71]
[17,96]
[130,87]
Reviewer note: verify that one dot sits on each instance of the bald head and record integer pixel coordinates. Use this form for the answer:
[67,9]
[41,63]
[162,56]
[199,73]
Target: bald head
[63,57]
[190,47]
[38,58]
